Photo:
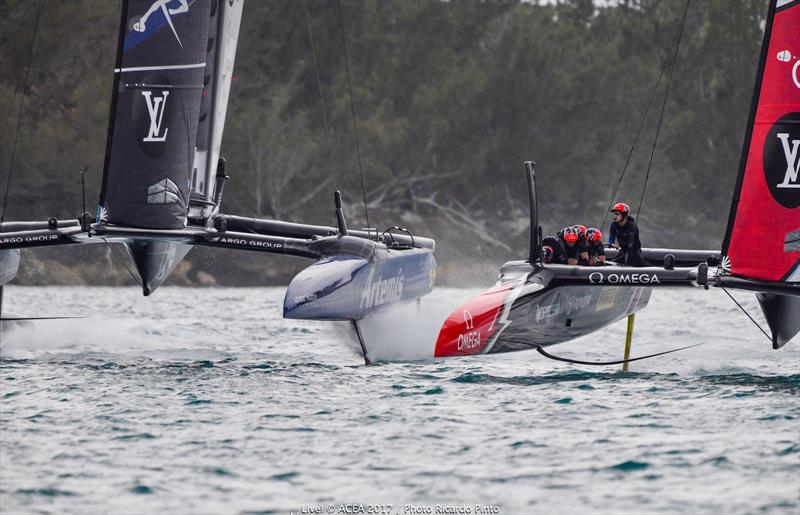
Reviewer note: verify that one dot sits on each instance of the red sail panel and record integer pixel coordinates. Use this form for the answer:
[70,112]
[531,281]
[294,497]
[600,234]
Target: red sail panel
[765,215]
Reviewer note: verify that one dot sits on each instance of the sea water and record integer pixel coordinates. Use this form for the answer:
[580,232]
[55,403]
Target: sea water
[207,401]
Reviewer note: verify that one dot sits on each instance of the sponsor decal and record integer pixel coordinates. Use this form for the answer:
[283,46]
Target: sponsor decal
[472,338]
[782,160]
[576,304]
[796,73]
[548,311]
[175,7]
[101,214]
[623,278]
[784,56]
[792,161]
[568,307]
[34,238]
[725,265]
[606,300]
[242,242]
[155,108]
[383,291]
[163,192]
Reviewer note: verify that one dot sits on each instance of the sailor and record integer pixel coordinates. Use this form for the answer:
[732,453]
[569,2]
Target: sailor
[558,255]
[594,247]
[584,261]
[570,238]
[625,237]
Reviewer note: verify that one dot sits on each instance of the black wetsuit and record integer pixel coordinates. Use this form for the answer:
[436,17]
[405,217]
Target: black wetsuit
[630,248]
[559,254]
[574,251]
[595,251]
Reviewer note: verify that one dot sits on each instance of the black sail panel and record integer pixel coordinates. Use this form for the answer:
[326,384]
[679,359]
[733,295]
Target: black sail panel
[155,107]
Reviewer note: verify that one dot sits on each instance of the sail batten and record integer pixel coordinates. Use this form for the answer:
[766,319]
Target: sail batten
[164,67]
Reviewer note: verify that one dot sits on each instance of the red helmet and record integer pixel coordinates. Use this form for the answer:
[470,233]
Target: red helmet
[547,253]
[581,229]
[593,235]
[621,207]
[570,235]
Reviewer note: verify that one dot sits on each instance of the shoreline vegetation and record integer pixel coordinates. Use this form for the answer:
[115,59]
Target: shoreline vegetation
[201,268]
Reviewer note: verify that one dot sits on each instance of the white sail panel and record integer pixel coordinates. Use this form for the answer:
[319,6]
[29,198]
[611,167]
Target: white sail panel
[223,37]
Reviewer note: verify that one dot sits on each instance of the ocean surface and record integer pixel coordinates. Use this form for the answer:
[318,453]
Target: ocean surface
[207,401]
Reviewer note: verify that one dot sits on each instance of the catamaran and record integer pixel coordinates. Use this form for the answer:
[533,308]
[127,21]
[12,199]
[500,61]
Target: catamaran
[534,305]
[163,182]
[163,177]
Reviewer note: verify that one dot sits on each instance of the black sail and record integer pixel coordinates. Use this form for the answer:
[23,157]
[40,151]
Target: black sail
[158,83]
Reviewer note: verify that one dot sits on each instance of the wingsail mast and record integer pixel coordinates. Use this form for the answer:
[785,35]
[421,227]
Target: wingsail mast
[765,210]
[158,86]
[760,250]
[208,172]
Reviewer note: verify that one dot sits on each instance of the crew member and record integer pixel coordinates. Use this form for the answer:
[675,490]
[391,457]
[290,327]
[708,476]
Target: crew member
[581,231]
[570,238]
[594,247]
[625,237]
[558,255]
[584,248]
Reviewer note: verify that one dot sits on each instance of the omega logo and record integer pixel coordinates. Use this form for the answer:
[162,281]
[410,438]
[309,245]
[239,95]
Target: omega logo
[634,278]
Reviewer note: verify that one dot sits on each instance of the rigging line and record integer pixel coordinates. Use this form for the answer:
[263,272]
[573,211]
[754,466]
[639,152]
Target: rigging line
[639,130]
[663,105]
[6,117]
[21,105]
[353,111]
[544,353]
[319,81]
[748,315]
[122,260]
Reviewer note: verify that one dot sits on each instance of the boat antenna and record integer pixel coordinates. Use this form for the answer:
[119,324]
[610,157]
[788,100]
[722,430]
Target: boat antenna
[85,219]
[83,189]
[19,113]
[352,111]
[639,130]
[340,222]
[663,105]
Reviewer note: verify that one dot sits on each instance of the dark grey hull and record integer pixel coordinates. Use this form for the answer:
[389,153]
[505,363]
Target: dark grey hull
[556,315]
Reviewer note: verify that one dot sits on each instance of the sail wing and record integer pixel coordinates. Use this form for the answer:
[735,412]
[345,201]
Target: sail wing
[762,237]
[158,85]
